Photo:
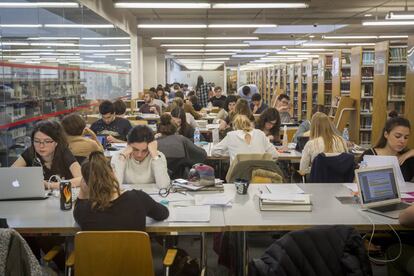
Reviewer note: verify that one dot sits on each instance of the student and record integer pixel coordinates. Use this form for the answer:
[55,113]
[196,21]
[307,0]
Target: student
[241,108]
[190,113]
[202,90]
[49,150]
[115,128]
[194,102]
[269,123]
[102,205]
[176,146]
[257,106]
[120,108]
[247,91]
[149,106]
[218,99]
[229,105]
[323,139]
[283,106]
[243,139]
[162,96]
[179,118]
[393,142]
[141,162]
[79,144]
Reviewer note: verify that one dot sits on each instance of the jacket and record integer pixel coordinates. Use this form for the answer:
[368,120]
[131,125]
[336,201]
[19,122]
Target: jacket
[319,251]
[16,258]
[333,169]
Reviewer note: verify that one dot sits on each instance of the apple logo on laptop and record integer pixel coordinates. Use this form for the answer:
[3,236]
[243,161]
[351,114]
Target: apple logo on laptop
[16,183]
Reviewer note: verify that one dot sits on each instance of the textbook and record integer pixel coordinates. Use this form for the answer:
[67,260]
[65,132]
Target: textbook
[288,202]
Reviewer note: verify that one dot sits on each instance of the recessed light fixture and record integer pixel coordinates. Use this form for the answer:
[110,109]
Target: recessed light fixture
[20,25]
[389,23]
[242,26]
[399,15]
[368,14]
[165,5]
[14,43]
[393,36]
[53,38]
[172,26]
[311,36]
[350,37]
[82,26]
[53,44]
[39,5]
[205,38]
[259,5]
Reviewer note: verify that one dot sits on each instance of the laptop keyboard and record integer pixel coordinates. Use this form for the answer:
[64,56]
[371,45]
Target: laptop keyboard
[392,207]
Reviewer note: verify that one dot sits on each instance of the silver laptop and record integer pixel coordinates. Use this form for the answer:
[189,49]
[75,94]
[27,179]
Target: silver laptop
[21,183]
[379,191]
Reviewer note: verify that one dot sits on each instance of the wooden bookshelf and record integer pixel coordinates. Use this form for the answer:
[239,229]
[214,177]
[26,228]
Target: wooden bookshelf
[409,97]
[336,74]
[290,83]
[296,100]
[325,81]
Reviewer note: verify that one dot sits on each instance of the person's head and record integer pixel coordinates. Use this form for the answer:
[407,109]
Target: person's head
[185,87]
[166,126]
[179,117]
[269,120]
[138,138]
[246,90]
[152,89]
[179,94]
[73,124]
[242,122]
[256,99]
[200,81]
[119,107]
[230,103]
[217,91]
[283,99]
[242,107]
[395,134]
[177,102]
[148,97]
[48,139]
[160,93]
[193,99]
[191,93]
[107,111]
[177,87]
[322,126]
[100,180]
[393,114]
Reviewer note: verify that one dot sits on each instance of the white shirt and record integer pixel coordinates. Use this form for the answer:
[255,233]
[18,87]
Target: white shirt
[316,146]
[190,120]
[234,143]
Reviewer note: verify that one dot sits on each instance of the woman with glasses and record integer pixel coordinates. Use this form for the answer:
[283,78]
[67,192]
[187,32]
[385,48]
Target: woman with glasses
[269,123]
[50,151]
[102,205]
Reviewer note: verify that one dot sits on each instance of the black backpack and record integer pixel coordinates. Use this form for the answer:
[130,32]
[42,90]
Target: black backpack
[184,265]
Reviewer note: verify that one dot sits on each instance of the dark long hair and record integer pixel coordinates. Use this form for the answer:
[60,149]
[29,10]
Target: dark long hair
[166,126]
[180,113]
[200,82]
[389,126]
[100,179]
[55,131]
[269,115]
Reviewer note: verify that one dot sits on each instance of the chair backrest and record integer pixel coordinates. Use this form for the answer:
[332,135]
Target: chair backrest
[333,169]
[113,253]
[138,122]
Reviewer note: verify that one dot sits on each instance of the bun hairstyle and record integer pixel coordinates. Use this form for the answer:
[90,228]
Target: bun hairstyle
[100,179]
[166,126]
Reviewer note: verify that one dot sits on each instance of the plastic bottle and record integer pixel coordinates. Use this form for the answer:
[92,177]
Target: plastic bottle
[197,136]
[285,138]
[345,134]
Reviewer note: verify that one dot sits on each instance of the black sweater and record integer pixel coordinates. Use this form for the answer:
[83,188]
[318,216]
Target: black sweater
[127,212]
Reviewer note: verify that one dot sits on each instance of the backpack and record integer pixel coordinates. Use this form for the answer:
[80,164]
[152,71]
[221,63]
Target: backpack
[184,265]
[201,175]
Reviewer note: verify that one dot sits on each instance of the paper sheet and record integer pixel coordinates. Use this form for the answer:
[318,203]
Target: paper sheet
[284,189]
[173,197]
[352,186]
[286,197]
[213,199]
[189,214]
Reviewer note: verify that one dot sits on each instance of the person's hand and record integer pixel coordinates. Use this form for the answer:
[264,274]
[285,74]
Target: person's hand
[111,139]
[282,108]
[255,108]
[88,131]
[271,138]
[52,185]
[153,148]
[403,157]
[222,125]
[153,109]
[126,153]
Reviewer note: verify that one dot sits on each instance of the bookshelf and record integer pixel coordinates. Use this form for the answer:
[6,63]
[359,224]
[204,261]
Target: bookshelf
[297,91]
[290,81]
[306,67]
[325,81]
[409,97]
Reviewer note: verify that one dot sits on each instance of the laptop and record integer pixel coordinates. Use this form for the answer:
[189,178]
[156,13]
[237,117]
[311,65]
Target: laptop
[379,191]
[22,183]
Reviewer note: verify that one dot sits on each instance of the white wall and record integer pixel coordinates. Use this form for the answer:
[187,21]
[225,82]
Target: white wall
[150,67]
[190,77]
[161,77]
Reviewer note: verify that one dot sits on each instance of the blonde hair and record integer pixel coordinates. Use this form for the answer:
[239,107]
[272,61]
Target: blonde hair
[321,126]
[241,122]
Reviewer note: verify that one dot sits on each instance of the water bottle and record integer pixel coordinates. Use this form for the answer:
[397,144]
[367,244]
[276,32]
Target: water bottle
[345,134]
[197,136]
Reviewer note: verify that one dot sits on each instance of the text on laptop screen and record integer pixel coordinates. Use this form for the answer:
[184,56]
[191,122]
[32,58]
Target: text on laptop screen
[378,185]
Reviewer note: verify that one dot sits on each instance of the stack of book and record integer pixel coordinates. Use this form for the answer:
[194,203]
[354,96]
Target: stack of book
[287,202]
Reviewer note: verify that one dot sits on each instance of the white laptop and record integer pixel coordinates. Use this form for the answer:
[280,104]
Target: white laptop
[379,191]
[22,183]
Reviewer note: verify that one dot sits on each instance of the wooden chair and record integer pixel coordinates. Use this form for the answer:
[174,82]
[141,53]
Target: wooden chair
[114,253]
[138,122]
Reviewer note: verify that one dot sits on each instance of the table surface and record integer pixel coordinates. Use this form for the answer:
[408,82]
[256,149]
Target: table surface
[45,216]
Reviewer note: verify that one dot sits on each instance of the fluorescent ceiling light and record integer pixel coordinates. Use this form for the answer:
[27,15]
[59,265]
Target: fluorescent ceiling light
[361,44]
[202,54]
[301,29]
[96,56]
[318,44]
[228,45]
[172,26]
[276,42]
[107,38]
[139,5]
[292,53]
[259,50]
[82,26]
[232,38]
[400,15]
[388,23]
[350,37]
[20,25]
[182,45]
[53,38]
[307,50]
[53,44]
[222,50]
[14,43]
[177,38]
[242,25]
[39,5]
[205,38]
[247,56]
[116,45]
[122,59]
[259,5]
[186,50]
[368,14]
[393,36]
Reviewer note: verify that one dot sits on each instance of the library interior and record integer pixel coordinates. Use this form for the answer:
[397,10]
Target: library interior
[208,137]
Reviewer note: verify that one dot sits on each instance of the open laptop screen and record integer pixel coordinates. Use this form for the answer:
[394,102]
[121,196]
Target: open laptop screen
[377,185]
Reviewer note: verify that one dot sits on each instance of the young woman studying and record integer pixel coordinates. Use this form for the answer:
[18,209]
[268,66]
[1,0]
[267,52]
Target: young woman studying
[269,123]
[323,139]
[102,205]
[50,151]
[179,118]
[393,141]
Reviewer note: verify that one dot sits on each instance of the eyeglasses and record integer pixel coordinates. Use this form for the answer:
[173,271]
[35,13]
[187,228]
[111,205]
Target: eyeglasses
[43,143]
